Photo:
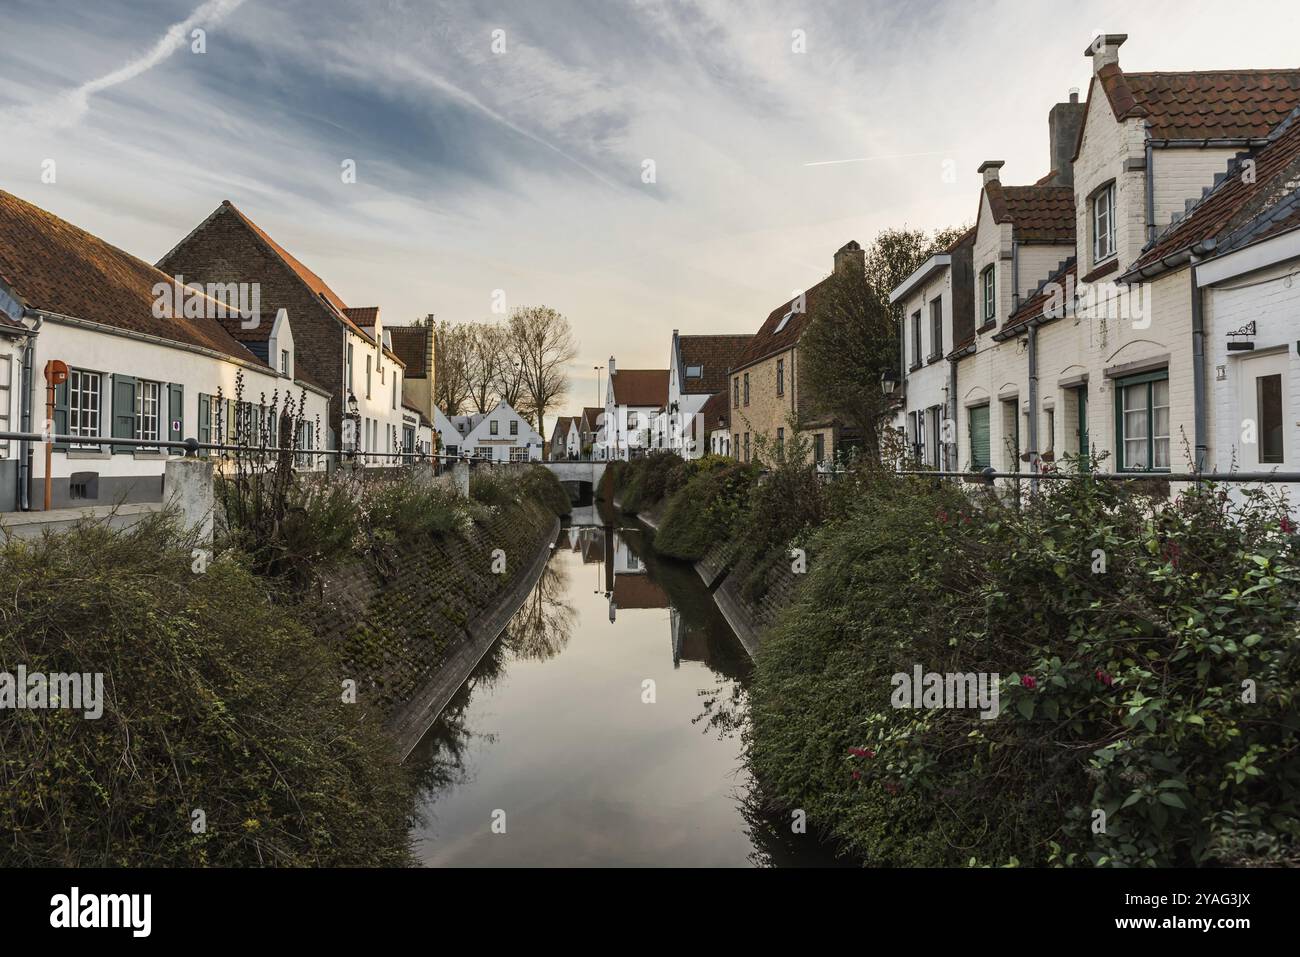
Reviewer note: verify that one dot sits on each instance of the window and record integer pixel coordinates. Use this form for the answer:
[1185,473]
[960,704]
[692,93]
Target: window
[819,448]
[780,442]
[694,372]
[781,325]
[1011,433]
[514,426]
[916,434]
[632,420]
[735,391]
[369,363]
[988,288]
[916,340]
[1049,419]
[933,419]
[394,388]
[348,370]
[146,410]
[451,451]
[780,377]
[746,446]
[1142,414]
[736,444]
[306,442]
[746,388]
[519,453]
[936,328]
[483,451]
[494,427]
[978,417]
[1268,401]
[1081,400]
[83,404]
[1103,223]
[284,361]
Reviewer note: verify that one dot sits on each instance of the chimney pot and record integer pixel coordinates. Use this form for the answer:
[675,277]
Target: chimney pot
[1104,49]
[850,256]
[1074,94]
[989,170]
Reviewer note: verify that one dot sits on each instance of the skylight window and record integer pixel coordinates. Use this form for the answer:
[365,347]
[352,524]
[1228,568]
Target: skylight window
[694,372]
[781,325]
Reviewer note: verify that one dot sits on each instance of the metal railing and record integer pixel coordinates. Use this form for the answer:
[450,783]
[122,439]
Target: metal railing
[989,475]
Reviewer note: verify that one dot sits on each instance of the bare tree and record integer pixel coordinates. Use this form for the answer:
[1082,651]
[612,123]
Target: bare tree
[543,340]
[452,366]
[488,352]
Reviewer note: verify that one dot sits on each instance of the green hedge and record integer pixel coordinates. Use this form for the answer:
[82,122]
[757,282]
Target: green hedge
[1125,631]
[217,700]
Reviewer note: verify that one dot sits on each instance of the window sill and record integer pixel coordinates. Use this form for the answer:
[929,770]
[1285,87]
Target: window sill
[149,456]
[991,324]
[85,454]
[931,360]
[914,367]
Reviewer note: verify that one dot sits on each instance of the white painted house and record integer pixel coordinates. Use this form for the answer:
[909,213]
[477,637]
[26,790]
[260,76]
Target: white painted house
[633,400]
[503,435]
[698,370]
[143,364]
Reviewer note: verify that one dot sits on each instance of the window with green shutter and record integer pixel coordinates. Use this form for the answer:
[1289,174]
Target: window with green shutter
[979,436]
[205,418]
[175,412]
[1142,422]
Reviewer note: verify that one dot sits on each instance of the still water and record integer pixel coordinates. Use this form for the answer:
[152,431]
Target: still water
[600,730]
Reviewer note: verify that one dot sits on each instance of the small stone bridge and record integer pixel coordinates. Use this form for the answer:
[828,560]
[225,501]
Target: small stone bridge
[575,475]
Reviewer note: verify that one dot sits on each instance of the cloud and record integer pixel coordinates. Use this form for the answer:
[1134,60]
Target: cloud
[69,107]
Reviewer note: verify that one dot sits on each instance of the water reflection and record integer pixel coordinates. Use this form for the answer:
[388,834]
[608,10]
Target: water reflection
[556,731]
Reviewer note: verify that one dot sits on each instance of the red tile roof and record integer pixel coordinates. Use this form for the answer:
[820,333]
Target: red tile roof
[1038,214]
[58,268]
[591,417]
[715,355]
[641,387]
[410,343]
[638,591]
[1221,104]
[1235,203]
[363,316]
[1061,282]
[715,412]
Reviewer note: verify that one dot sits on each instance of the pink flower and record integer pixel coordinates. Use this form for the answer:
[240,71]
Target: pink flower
[857,775]
[862,752]
[1105,678]
[1028,682]
[1287,525]
[942,515]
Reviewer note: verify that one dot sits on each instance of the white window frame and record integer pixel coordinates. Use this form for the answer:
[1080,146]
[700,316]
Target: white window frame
[1103,223]
[148,421]
[78,388]
[6,400]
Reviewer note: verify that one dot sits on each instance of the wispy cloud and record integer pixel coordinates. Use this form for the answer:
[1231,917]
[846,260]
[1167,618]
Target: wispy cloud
[69,107]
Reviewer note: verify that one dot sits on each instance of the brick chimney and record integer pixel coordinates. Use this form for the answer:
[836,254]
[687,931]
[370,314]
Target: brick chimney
[1104,49]
[611,365]
[989,170]
[1063,123]
[850,257]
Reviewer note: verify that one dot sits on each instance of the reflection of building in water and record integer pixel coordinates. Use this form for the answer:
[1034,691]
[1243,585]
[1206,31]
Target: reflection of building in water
[639,591]
[689,644]
[627,581]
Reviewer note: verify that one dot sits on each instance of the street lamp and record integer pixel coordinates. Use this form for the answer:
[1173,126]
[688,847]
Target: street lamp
[888,381]
[351,428]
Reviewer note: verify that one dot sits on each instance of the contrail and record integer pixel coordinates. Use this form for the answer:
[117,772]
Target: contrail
[870,159]
[71,106]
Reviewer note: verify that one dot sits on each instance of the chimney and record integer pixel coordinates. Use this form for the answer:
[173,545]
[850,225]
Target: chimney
[989,170]
[1104,49]
[850,257]
[611,366]
[1063,123]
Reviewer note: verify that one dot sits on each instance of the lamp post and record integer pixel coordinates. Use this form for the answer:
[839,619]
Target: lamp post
[351,428]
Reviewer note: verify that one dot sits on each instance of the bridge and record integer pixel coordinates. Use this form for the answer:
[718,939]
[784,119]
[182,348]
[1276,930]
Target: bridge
[578,477]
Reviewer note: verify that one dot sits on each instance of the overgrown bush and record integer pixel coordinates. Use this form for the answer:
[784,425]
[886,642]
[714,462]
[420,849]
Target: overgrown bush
[645,482]
[1148,662]
[220,709]
[502,487]
[708,509]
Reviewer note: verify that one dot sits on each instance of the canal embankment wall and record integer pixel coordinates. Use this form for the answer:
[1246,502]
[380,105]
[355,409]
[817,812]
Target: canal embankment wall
[413,624]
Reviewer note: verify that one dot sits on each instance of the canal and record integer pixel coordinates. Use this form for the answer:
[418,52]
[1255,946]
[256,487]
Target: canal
[602,728]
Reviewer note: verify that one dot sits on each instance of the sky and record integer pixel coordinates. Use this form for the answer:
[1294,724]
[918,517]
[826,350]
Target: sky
[509,145]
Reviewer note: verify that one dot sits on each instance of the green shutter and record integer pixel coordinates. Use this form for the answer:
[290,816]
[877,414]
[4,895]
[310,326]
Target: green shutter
[176,412]
[123,411]
[979,436]
[61,414]
[205,419]
[1083,429]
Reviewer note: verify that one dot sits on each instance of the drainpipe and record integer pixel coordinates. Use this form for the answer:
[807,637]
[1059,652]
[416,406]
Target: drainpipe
[1033,407]
[25,417]
[1150,186]
[1198,367]
[950,448]
[1015,275]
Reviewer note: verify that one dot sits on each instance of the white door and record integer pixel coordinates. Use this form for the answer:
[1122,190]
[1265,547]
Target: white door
[1267,417]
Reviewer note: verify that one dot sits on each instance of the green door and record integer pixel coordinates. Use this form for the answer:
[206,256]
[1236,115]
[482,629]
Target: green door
[1083,428]
[979,436]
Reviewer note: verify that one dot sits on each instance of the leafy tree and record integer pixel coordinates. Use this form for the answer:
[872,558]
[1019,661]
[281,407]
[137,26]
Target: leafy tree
[853,336]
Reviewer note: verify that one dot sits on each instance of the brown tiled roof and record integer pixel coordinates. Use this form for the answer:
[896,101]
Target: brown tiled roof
[638,591]
[1032,307]
[591,416]
[715,411]
[1266,205]
[363,316]
[767,341]
[1038,214]
[715,355]
[409,343]
[1220,104]
[962,240]
[644,387]
[57,267]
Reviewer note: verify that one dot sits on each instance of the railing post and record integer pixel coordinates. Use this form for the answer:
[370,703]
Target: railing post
[187,486]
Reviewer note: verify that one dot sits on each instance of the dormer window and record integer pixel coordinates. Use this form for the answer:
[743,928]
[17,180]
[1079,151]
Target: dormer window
[694,372]
[1103,223]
